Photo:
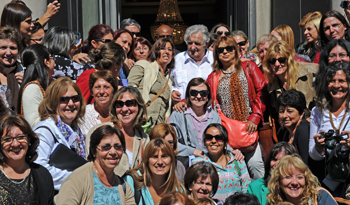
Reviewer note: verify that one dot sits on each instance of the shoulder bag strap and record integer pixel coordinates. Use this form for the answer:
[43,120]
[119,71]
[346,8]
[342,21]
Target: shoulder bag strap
[346,121]
[54,138]
[155,97]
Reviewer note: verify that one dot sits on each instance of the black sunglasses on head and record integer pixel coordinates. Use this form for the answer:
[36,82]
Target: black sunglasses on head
[128,103]
[219,138]
[227,33]
[242,43]
[203,93]
[281,60]
[228,49]
[66,99]
[137,34]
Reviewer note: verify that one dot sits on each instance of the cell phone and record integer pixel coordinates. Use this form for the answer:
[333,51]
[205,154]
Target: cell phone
[345,4]
[58,1]
[79,37]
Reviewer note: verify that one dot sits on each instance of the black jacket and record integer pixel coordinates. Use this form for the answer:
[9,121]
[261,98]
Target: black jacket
[43,180]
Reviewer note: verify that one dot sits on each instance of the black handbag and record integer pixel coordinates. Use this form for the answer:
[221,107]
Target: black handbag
[63,157]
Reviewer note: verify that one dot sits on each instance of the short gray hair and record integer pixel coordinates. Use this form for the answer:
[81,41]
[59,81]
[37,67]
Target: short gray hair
[266,38]
[196,28]
[239,33]
[129,22]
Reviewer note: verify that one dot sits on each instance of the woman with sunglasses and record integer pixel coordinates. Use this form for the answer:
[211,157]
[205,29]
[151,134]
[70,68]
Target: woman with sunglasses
[235,84]
[61,112]
[283,73]
[233,174]
[39,69]
[108,56]
[191,123]
[151,77]
[21,180]
[98,184]
[221,30]
[243,43]
[128,113]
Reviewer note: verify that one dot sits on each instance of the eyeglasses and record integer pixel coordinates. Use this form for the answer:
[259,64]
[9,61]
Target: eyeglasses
[137,34]
[128,103]
[21,138]
[104,40]
[203,93]
[37,40]
[242,43]
[142,48]
[163,48]
[227,33]
[219,138]
[165,36]
[333,56]
[281,60]
[66,99]
[228,49]
[107,147]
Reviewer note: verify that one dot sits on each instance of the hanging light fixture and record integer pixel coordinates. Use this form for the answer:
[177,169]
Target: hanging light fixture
[169,14]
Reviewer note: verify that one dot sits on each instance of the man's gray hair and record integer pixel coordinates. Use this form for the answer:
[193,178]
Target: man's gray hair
[196,28]
[129,22]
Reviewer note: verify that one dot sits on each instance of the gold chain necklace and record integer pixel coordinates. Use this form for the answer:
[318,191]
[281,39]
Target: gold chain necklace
[110,185]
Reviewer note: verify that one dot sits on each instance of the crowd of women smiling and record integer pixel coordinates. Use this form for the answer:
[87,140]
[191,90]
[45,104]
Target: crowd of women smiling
[93,122]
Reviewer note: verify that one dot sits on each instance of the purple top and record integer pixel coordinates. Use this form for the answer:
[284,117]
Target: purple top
[199,125]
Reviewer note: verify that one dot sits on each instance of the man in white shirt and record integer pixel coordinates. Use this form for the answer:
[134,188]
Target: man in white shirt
[193,63]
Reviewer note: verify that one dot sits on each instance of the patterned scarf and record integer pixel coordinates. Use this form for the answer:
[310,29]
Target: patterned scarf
[239,107]
[74,138]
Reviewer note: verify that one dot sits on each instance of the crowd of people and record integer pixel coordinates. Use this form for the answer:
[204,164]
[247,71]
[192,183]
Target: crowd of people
[115,119]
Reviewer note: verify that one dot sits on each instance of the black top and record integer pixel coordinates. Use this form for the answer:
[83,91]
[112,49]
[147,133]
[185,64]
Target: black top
[43,180]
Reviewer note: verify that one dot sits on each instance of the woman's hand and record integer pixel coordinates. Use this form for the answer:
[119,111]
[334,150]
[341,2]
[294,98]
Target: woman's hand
[346,141]
[319,144]
[238,154]
[180,107]
[129,62]
[175,96]
[19,77]
[198,153]
[52,9]
[81,57]
[251,127]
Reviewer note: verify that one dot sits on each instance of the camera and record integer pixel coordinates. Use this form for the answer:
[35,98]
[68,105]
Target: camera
[345,4]
[332,138]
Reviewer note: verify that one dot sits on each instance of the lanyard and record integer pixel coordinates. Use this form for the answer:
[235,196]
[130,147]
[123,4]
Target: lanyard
[342,120]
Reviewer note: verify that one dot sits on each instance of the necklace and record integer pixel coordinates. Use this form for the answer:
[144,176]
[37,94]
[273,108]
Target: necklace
[110,185]
[20,182]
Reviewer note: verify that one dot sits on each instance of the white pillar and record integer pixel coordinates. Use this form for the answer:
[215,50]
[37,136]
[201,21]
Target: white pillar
[263,18]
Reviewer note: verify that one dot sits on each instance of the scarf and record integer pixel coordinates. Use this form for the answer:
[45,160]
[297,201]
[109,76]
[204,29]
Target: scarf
[12,85]
[239,107]
[74,138]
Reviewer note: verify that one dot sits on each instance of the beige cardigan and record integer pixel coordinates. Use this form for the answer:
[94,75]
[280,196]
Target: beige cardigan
[78,188]
[123,165]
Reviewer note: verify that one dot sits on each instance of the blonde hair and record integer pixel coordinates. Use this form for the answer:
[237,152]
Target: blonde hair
[229,41]
[286,34]
[312,18]
[204,201]
[285,167]
[282,48]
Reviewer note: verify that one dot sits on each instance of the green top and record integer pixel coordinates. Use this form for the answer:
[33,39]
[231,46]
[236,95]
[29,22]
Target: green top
[259,189]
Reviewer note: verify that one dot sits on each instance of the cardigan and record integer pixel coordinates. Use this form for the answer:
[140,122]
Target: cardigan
[43,180]
[259,189]
[123,165]
[78,188]
[31,99]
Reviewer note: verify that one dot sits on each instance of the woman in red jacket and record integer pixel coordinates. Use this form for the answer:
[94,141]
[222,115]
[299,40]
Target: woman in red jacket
[239,86]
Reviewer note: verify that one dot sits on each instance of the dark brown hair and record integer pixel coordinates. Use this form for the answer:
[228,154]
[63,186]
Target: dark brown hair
[195,82]
[162,130]
[229,41]
[106,75]
[154,53]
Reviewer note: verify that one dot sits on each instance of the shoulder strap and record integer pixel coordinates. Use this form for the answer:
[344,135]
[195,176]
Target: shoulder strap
[346,121]
[54,138]
[122,181]
[155,97]
[137,192]
[237,167]
[188,139]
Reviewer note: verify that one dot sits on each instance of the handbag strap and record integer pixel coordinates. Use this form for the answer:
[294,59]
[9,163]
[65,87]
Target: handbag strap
[155,97]
[188,139]
[54,138]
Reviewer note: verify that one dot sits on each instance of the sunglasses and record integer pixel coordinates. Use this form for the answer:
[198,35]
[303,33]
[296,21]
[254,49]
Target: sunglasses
[227,33]
[281,60]
[228,49]
[128,103]
[218,138]
[165,36]
[66,99]
[107,147]
[242,43]
[104,40]
[137,34]
[203,93]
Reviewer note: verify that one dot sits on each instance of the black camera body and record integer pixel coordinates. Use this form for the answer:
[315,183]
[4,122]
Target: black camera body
[332,138]
[345,4]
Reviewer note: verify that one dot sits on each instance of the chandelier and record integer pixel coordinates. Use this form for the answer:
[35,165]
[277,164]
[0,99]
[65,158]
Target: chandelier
[169,14]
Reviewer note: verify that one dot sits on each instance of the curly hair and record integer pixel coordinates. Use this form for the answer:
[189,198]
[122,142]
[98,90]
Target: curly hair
[10,121]
[285,167]
[282,48]
[323,96]
[145,179]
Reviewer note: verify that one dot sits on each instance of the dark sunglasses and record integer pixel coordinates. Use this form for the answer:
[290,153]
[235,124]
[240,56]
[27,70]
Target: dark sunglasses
[242,43]
[165,36]
[228,49]
[104,40]
[219,138]
[227,33]
[66,99]
[203,93]
[281,60]
[137,34]
[108,147]
[128,103]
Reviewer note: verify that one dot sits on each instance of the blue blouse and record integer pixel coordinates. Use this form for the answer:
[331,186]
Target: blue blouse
[104,195]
